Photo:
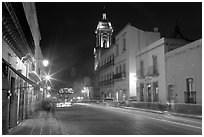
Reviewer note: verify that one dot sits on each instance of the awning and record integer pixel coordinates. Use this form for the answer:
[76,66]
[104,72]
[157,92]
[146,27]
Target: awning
[19,74]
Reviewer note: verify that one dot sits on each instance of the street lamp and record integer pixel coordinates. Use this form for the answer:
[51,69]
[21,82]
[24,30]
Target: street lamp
[45,63]
[48,88]
[47,77]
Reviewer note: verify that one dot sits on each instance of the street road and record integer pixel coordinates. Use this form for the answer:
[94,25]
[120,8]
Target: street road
[90,119]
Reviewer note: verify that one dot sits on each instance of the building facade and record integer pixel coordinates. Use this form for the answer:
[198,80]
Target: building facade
[151,70]
[184,74]
[106,82]
[115,64]
[104,59]
[21,67]
[128,41]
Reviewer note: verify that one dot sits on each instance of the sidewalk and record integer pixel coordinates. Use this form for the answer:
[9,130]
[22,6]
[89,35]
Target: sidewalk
[41,124]
[165,112]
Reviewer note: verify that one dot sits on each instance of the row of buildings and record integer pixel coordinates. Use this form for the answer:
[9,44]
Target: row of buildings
[22,68]
[142,66]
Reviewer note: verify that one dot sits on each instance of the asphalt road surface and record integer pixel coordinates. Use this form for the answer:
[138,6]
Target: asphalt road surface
[90,119]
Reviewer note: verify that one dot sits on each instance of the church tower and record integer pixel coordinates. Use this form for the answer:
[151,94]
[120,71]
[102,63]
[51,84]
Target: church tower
[103,33]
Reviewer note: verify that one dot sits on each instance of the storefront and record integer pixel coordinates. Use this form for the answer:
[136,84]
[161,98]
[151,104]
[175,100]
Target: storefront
[17,97]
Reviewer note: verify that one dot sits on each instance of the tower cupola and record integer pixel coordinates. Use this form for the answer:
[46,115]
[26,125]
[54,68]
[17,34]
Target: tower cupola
[103,33]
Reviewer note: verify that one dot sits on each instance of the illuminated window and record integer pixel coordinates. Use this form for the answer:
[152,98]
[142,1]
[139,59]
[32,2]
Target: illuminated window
[149,96]
[189,84]
[189,95]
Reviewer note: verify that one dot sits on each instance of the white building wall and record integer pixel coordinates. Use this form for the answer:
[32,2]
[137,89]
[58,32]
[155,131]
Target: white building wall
[145,55]
[12,58]
[183,63]
[135,39]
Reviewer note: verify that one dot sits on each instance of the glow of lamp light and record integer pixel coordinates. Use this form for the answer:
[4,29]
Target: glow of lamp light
[45,63]
[48,88]
[47,77]
[48,95]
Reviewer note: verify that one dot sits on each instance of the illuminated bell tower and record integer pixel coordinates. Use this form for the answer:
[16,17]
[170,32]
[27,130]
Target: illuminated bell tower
[103,33]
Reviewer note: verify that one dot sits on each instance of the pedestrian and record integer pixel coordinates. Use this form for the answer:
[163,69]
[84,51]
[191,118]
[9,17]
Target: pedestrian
[53,108]
[48,107]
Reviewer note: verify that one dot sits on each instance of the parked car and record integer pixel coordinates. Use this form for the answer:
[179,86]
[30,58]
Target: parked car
[108,99]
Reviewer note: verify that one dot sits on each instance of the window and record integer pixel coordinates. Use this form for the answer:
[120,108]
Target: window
[124,44]
[120,69]
[117,50]
[142,68]
[149,96]
[189,95]
[155,92]
[170,93]
[116,70]
[154,58]
[189,84]
[32,67]
[124,67]
[141,92]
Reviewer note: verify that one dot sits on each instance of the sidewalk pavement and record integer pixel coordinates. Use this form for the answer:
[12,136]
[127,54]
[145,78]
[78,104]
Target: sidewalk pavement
[40,124]
[165,112]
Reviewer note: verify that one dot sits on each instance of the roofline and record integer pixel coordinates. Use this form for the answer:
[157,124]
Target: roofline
[191,45]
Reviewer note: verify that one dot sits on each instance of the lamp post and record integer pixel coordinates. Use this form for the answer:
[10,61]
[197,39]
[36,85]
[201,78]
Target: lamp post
[45,63]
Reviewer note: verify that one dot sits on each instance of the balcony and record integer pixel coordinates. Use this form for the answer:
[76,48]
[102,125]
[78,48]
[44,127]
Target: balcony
[152,71]
[106,82]
[107,64]
[190,97]
[120,75]
[140,75]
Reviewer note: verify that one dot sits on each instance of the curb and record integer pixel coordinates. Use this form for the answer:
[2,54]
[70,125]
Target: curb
[184,115]
[164,112]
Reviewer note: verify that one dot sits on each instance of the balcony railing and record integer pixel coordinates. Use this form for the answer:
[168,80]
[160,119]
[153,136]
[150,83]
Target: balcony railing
[106,82]
[120,75]
[107,64]
[190,97]
[140,75]
[152,71]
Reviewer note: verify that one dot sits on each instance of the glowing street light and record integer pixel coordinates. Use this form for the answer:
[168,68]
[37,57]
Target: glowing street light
[45,63]
[48,88]
[47,77]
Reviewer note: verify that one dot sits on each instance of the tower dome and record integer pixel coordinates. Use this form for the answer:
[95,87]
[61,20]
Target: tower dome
[103,33]
[104,24]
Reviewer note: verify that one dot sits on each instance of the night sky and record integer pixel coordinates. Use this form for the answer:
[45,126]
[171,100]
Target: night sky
[68,29]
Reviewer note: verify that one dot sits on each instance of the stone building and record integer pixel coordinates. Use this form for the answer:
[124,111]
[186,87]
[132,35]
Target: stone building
[21,65]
